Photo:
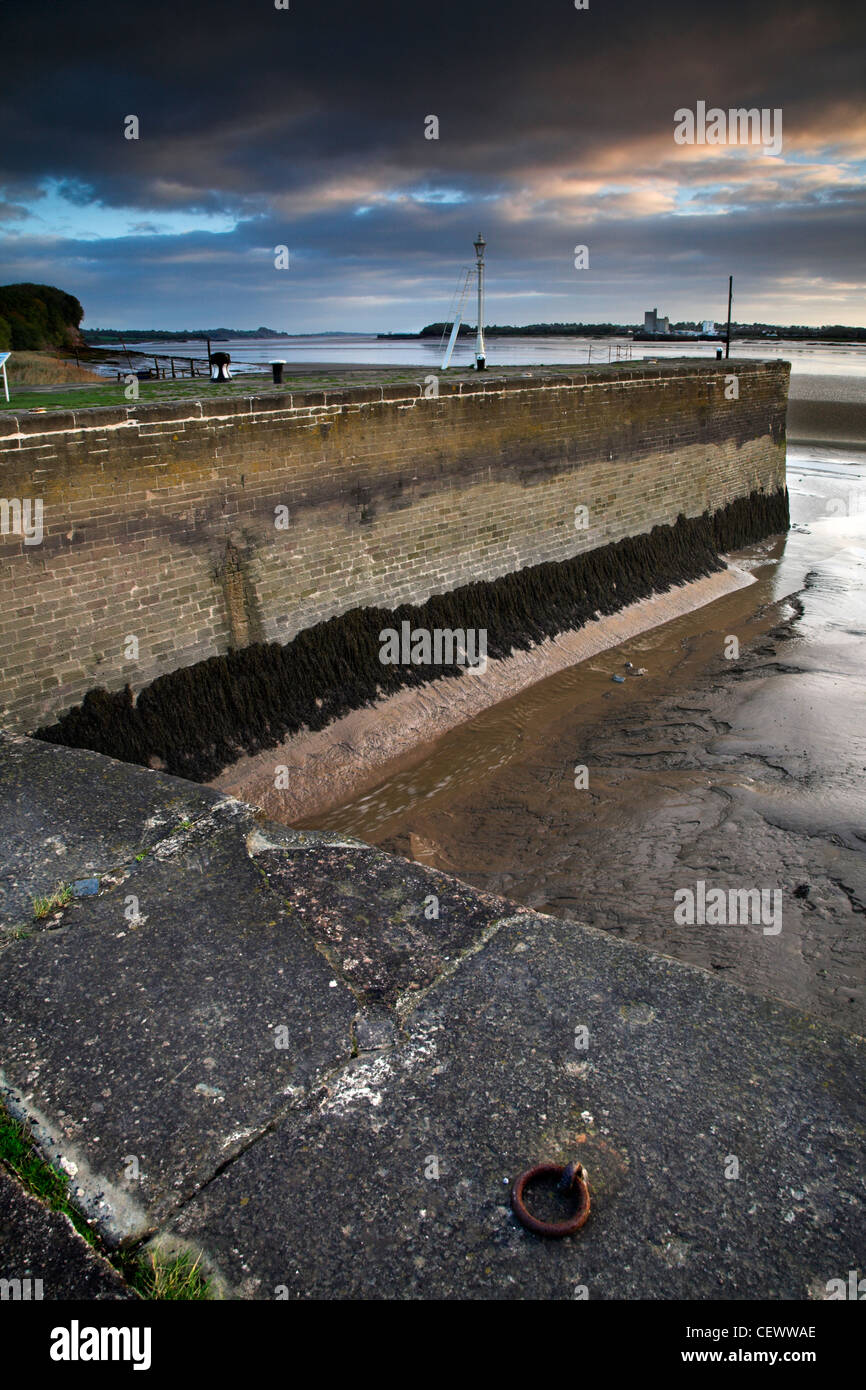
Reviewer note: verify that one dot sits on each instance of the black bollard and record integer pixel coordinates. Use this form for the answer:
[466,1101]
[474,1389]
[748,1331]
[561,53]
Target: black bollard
[219,364]
[277,369]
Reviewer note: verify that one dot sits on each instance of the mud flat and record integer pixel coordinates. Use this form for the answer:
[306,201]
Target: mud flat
[738,772]
[356,752]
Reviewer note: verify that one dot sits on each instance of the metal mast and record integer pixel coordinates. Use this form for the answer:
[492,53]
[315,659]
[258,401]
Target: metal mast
[480,354]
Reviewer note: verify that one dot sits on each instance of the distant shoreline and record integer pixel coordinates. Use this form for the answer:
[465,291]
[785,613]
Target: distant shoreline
[836,334]
[116,337]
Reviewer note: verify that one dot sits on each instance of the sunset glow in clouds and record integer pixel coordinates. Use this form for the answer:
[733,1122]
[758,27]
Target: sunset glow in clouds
[306,127]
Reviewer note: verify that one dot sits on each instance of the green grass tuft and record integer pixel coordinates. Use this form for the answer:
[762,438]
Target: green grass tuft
[168,1278]
[18,1153]
[61,897]
[153,1276]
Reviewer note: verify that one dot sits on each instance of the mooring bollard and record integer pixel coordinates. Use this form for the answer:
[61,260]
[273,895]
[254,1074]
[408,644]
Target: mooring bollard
[219,366]
[277,369]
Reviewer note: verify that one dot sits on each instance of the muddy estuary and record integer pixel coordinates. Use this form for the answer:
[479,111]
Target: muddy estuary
[737,771]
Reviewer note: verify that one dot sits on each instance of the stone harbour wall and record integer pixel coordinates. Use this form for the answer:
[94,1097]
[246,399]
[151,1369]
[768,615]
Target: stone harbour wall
[160,535]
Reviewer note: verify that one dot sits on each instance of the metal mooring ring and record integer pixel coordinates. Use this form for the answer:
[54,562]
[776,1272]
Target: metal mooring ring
[572,1178]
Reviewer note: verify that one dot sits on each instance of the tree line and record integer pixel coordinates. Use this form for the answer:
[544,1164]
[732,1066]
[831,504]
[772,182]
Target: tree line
[36,317]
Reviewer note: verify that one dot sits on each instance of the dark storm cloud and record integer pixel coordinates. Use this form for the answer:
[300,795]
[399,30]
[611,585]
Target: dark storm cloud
[236,94]
[307,126]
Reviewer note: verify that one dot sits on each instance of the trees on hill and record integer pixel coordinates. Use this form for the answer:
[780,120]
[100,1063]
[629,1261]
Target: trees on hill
[33,317]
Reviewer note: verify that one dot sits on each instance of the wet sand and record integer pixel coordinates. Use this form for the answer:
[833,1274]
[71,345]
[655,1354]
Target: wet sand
[355,753]
[744,772]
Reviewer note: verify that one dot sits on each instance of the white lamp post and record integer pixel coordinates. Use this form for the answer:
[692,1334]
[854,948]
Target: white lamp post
[480,354]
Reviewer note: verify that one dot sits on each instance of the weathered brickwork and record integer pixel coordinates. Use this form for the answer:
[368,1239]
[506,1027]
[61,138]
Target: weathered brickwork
[165,523]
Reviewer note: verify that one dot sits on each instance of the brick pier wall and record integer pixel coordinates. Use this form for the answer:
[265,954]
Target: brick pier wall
[196,526]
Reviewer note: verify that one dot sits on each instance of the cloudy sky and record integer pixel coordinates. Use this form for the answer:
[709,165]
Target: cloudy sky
[305,127]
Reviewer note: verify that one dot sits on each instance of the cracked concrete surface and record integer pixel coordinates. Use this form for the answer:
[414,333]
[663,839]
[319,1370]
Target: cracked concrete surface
[327,1065]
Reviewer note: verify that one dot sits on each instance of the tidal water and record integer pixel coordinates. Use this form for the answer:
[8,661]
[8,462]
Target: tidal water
[360,350]
[741,772]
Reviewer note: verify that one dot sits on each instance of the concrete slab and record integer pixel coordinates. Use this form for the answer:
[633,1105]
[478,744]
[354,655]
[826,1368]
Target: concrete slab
[175,1016]
[683,1083]
[389,926]
[66,814]
[43,1247]
[183,1040]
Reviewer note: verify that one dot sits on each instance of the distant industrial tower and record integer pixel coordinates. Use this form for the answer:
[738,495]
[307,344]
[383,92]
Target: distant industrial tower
[653,324]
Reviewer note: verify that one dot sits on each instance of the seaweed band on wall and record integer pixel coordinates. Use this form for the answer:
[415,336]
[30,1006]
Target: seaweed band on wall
[197,527]
[196,721]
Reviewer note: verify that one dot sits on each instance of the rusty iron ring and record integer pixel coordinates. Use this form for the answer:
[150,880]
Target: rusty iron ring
[572,1178]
